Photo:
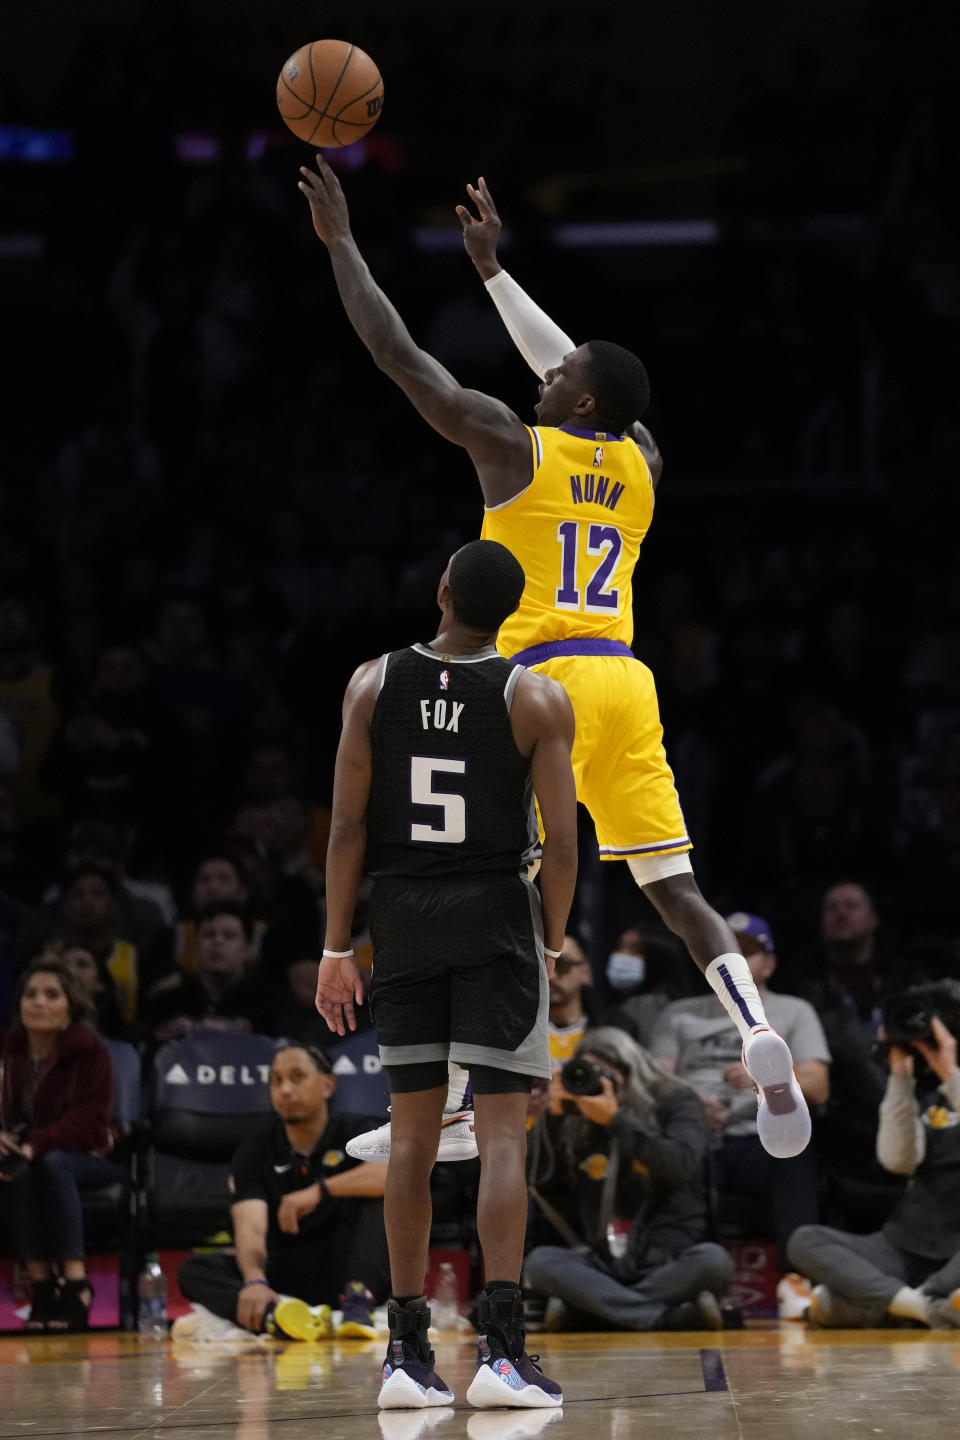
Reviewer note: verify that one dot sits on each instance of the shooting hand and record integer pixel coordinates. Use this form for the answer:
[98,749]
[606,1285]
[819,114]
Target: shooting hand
[481,236]
[331,219]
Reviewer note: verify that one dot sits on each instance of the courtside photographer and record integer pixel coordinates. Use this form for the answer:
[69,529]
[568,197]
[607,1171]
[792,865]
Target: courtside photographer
[909,1269]
[617,1168]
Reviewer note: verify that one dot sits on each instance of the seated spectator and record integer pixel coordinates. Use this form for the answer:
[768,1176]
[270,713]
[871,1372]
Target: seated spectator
[140,908]
[99,989]
[56,1136]
[696,1040]
[270,774]
[571,1000]
[645,973]
[910,1268]
[845,980]
[88,920]
[222,994]
[218,876]
[307,1219]
[117,756]
[632,1151]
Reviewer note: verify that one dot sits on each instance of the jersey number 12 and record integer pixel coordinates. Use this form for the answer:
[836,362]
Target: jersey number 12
[604,541]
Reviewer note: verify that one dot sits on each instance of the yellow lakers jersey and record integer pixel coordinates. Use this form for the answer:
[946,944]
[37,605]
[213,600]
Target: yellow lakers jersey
[576,530]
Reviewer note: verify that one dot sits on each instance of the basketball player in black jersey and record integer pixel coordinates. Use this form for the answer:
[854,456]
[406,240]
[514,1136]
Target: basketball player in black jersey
[443,748]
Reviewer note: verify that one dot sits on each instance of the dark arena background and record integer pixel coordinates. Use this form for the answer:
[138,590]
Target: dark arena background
[213,507]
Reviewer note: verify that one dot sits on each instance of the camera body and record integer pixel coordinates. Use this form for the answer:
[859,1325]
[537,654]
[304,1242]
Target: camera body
[583,1077]
[908,1015]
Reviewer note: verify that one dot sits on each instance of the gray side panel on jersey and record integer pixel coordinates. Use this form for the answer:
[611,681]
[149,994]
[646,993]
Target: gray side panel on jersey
[532,1055]
[510,688]
[532,851]
[381,672]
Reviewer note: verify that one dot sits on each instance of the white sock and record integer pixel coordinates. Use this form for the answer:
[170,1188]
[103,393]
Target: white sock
[457,1081]
[910,1304]
[730,978]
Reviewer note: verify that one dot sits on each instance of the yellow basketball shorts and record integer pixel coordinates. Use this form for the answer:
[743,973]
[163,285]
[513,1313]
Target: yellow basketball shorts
[619,763]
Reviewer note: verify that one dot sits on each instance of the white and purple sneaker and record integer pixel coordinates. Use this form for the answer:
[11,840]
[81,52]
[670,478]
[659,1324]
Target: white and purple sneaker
[783,1120]
[458,1140]
[514,1382]
[409,1381]
[506,1374]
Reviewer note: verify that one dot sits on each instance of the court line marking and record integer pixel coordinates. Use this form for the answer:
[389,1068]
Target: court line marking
[714,1375]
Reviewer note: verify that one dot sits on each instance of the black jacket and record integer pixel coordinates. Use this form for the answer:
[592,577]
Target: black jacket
[661,1182]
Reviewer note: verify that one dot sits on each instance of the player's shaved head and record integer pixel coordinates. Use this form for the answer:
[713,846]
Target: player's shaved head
[618,380]
[486,583]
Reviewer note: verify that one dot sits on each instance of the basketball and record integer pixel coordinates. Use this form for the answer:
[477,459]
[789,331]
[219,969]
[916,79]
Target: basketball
[330,93]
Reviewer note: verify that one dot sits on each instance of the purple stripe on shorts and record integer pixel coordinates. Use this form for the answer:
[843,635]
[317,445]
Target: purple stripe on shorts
[551,649]
[741,1004]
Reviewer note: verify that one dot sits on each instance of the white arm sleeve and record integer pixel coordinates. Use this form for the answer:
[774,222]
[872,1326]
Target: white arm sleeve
[541,343]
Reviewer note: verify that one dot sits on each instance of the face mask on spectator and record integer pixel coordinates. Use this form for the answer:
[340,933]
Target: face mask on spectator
[624,971]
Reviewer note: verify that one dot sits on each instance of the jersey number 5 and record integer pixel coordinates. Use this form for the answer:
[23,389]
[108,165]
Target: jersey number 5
[453,831]
[604,541]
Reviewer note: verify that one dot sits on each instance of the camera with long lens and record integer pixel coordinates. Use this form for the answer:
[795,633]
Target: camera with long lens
[908,1015]
[582,1077]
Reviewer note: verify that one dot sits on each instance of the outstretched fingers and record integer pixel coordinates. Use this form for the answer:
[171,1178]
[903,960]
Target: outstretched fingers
[487,198]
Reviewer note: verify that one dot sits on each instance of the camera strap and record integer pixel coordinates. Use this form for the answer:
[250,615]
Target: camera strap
[558,1222]
[607,1195]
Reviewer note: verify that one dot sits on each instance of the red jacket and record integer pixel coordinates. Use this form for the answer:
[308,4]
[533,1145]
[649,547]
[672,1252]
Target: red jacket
[73,1101]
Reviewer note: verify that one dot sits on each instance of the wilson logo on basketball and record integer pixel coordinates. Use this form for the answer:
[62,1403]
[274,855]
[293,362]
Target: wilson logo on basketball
[374,105]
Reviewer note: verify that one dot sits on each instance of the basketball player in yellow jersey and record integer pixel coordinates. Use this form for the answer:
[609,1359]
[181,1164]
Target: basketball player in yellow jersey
[572,498]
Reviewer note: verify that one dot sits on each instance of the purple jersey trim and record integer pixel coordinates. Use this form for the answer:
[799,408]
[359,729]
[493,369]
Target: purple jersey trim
[739,1001]
[663,847]
[551,649]
[591,434]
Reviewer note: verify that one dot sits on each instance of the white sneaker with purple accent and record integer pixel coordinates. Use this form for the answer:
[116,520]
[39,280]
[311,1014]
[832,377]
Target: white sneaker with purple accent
[457,1140]
[783,1120]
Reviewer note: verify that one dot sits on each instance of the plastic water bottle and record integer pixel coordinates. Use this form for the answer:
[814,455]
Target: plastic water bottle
[152,1295]
[445,1303]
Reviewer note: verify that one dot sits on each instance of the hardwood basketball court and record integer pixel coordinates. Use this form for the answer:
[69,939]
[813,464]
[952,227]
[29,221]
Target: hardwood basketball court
[777,1381]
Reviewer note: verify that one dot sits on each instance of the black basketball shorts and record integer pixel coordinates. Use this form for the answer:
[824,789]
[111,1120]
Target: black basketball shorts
[458,972]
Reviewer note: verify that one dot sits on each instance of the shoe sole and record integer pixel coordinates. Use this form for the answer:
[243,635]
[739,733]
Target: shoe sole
[399,1392]
[297,1321]
[488,1392]
[783,1120]
[710,1313]
[356,1330]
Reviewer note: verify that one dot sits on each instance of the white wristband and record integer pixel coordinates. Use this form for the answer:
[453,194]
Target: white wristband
[337,954]
[554,954]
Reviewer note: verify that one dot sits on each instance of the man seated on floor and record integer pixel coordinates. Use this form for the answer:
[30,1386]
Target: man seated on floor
[910,1269]
[307,1221]
[617,1168]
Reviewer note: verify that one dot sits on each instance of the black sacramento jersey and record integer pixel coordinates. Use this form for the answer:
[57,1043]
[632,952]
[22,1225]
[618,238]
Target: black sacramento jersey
[450,791]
